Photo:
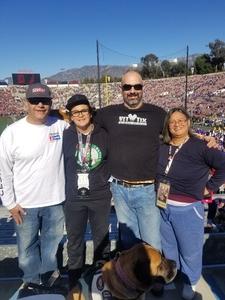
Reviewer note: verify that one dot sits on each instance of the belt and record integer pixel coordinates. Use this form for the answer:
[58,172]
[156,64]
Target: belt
[136,184]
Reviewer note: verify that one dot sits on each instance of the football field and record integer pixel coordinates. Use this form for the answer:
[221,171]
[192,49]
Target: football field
[4,122]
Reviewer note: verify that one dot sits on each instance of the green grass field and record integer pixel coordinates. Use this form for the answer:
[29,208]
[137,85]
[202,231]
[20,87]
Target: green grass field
[4,122]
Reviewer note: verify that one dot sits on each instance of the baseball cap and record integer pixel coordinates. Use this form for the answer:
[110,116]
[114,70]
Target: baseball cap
[38,90]
[75,100]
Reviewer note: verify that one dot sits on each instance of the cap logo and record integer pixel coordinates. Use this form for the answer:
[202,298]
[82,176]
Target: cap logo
[38,90]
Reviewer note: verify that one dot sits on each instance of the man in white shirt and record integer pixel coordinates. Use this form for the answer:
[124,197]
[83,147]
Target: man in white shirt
[32,174]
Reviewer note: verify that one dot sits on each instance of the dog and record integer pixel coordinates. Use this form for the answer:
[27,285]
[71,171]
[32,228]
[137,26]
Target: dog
[129,276]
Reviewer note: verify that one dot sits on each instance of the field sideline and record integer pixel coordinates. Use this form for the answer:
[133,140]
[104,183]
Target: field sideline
[4,121]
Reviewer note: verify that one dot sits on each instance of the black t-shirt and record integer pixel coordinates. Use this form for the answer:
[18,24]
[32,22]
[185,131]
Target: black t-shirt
[133,139]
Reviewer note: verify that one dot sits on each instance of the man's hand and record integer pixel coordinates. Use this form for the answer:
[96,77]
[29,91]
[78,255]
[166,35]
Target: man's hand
[211,141]
[17,213]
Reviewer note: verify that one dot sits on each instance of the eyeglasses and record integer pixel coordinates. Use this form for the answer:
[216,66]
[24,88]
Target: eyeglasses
[127,87]
[36,101]
[179,122]
[76,113]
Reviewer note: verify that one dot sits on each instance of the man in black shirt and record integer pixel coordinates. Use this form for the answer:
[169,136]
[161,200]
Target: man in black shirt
[134,128]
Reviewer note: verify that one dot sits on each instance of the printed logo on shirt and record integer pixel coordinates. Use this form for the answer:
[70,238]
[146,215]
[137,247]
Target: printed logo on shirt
[94,157]
[54,136]
[132,119]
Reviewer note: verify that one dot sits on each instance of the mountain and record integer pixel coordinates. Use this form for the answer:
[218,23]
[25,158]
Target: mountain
[91,71]
[88,72]
[110,70]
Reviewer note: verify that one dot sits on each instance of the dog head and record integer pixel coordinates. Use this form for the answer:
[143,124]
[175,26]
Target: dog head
[136,270]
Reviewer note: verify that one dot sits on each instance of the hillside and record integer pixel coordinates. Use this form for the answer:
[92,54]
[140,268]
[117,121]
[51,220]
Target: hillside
[88,72]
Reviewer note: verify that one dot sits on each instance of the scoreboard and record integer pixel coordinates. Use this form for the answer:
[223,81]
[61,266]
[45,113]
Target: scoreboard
[25,78]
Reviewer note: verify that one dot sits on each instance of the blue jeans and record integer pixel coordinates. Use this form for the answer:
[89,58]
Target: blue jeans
[182,231]
[138,215]
[38,238]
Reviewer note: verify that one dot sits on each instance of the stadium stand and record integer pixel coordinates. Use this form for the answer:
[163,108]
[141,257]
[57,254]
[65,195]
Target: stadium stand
[205,98]
[206,94]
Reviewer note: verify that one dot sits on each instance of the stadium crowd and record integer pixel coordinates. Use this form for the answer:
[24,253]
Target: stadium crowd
[205,98]
[205,94]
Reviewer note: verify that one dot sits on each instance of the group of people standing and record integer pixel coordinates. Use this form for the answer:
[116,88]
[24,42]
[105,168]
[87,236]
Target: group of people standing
[48,166]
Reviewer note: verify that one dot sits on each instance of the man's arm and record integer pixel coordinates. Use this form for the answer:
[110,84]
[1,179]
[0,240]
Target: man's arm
[6,170]
[211,141]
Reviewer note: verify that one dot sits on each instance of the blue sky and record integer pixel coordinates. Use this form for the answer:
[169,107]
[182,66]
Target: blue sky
[46,36]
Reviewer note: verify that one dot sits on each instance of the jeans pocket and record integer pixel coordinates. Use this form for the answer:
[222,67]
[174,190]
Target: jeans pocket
[198,214]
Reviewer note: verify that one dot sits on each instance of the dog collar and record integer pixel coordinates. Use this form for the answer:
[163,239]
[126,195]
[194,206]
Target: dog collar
[125,279]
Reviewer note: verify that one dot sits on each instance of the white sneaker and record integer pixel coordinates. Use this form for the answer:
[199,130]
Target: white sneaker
[188,292]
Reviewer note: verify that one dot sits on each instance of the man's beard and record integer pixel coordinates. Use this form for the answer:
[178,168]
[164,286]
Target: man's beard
[132,103]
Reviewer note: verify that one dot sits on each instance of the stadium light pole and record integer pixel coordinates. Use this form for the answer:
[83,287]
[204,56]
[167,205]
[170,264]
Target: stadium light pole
[99,83]
[186,80]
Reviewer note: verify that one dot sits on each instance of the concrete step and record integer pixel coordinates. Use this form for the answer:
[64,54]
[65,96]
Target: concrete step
[213,249]
[210,287]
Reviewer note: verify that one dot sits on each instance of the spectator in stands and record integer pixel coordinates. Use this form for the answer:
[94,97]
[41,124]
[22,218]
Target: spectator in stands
[32,173]
[88,197]
[134,128]
[184,165]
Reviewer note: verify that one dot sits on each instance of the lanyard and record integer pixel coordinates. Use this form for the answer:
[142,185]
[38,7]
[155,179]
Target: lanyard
[171,157]
[84,149]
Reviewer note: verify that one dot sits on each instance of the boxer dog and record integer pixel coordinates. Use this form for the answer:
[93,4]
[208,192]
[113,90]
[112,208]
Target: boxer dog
[129,276]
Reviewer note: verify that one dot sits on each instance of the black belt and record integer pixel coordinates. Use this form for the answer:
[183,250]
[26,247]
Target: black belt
[127,184]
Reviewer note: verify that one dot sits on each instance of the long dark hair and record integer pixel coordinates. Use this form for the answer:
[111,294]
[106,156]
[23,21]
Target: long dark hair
[166,133]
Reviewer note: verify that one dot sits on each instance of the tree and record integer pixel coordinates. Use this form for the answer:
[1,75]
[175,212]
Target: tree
[203,64]
[150,66]
[166,67]
[149,59]
[178,69]
[217,54]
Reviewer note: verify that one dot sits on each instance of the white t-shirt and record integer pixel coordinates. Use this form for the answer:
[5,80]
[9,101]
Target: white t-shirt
[31,164]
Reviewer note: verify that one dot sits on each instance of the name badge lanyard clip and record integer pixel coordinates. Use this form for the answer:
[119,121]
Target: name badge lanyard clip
[85,160]
[164,185]
[171,157]
[83,176]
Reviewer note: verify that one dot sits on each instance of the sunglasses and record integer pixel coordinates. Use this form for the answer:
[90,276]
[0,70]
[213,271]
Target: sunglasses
[128,87]
[36,101]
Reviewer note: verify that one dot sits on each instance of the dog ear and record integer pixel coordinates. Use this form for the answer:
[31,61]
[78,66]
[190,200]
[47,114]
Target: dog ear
[143,273]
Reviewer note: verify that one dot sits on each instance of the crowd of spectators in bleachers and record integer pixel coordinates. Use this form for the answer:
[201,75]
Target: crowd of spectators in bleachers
[205,94]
